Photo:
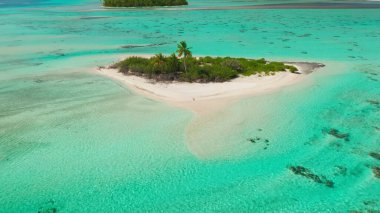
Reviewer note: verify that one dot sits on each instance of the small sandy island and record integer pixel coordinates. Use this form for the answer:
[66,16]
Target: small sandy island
[206,97]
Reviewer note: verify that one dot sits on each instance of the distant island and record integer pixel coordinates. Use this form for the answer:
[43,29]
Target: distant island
[185,68]
[143,3]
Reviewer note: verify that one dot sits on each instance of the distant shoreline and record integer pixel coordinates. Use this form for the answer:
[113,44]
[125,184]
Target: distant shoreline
[203,98]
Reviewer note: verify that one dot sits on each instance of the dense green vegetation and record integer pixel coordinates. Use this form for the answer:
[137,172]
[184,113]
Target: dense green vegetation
[143,3]
[203,69]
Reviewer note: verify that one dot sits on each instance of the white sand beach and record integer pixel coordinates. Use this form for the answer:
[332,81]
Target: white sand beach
[205,97]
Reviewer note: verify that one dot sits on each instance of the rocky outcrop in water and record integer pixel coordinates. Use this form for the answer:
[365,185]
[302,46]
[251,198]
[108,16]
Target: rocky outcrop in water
[307,67]
[300,170]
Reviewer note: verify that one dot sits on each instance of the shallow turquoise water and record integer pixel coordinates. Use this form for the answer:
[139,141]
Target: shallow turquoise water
[75,141]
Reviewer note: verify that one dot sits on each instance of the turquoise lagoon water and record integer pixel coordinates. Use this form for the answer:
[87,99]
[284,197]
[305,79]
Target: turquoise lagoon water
[74,141]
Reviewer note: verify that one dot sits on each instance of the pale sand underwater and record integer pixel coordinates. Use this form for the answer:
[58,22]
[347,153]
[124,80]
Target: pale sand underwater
[73,140]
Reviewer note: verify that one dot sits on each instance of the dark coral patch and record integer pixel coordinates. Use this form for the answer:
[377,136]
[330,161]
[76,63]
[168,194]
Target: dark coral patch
[258,139]
[49,210]
[373,102]
[376,171]
[300,170]
[336,133]
[375,155]
[48,207]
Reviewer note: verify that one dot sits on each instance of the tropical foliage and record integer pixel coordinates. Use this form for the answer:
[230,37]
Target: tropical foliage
[202,69]
[143,3]
[184,51]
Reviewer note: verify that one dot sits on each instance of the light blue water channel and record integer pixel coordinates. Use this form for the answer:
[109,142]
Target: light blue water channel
[74,141]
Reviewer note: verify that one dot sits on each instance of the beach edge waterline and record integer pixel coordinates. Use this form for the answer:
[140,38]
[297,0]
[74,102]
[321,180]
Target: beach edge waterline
[203,98]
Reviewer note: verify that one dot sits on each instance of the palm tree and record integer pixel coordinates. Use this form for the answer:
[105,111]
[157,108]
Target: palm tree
[184,51]
[159,63]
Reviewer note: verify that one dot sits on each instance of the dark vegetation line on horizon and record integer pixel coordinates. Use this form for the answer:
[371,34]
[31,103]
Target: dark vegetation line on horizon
[143,3]
[186,68]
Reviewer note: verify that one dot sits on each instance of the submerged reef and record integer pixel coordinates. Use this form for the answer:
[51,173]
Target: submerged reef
[48,207]
[336,133]
[258,139]
[375,155]
[300,170]
[376,171]
[49,210]
[130,46]
[373,102]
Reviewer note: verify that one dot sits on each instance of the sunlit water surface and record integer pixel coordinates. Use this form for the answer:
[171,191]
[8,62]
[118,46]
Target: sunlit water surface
[73,141]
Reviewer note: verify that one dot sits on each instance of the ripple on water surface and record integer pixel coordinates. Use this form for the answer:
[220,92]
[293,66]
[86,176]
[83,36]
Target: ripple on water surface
[73,141]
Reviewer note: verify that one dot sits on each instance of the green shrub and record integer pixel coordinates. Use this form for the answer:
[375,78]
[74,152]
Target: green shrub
[191,75]
[133,64]
[233,64]
[206,59]
[219,73]
[173,64]
[204,69]
[291,69]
